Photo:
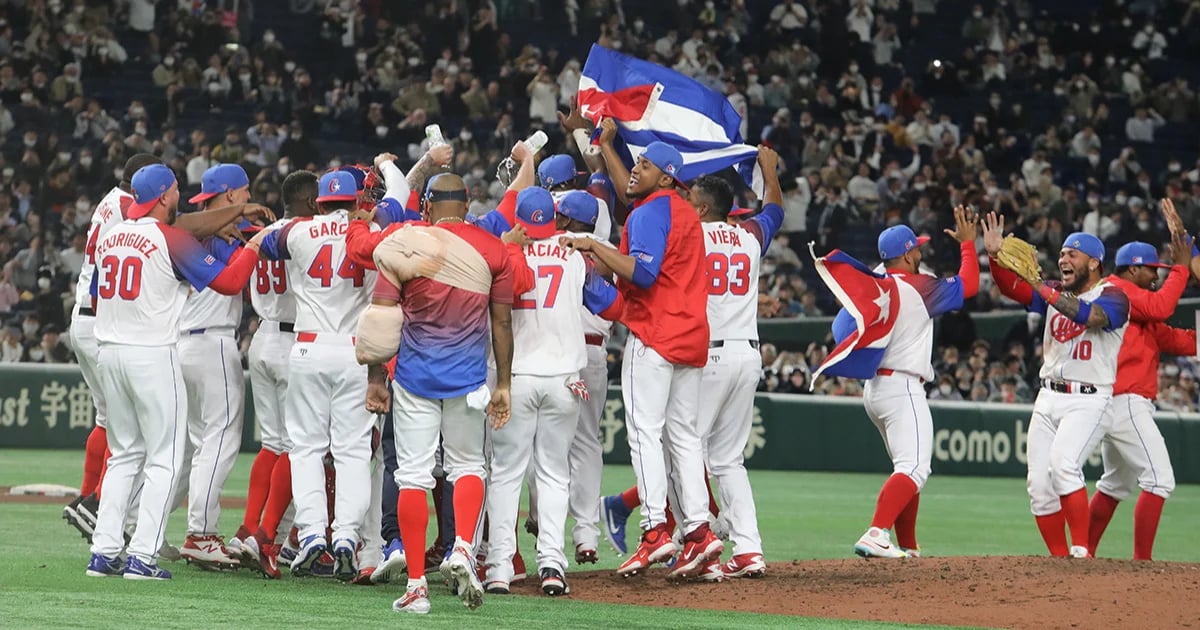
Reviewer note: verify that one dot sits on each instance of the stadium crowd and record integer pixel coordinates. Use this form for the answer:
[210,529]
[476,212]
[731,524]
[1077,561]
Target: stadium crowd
[1077,116]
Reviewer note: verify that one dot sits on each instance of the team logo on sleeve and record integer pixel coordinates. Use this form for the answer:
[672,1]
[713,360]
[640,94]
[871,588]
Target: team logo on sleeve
[1063,329]
[209,260]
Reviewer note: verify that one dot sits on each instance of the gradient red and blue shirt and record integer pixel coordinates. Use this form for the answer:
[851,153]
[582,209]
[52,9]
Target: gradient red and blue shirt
[445,339]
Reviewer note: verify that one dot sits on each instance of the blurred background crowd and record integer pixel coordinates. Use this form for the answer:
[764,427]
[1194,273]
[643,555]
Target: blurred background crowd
[1077,114]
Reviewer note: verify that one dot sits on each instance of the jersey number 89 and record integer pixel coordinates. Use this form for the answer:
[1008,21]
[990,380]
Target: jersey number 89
[121,278]
[721,281]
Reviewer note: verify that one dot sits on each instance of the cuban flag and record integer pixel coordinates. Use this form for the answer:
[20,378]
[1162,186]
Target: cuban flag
[863,328]
[653,103]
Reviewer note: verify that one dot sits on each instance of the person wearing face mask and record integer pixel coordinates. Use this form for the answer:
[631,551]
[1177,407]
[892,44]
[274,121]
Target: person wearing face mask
[945,390]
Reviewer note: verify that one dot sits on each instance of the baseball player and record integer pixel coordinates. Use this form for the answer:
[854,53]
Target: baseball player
[662,300]
[443,279]
[1086,317]
[1132,448]
[81,512]
[271,493]
[323,407]
[140,264]
[212,372]
[895,397]
[726,411]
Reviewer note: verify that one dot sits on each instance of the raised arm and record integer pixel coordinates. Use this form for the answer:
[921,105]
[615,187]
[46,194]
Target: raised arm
[966,228]
[1180,342]
[612,160]
[204,224]
[1009,283]
[434,158]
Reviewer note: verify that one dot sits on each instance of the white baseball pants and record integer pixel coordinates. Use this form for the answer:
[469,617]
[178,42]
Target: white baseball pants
[586,456]
[372,529]
[144,387]
[216,390]
[268,361]
[726,416]
[1133,449]
[1063,432]
[418,424]
[87,352]
[325,414]
[896,404]
[538,437]
[661,404]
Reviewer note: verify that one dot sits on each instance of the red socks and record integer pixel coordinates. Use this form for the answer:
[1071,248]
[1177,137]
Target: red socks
[1100,512]
[1145,524]
[260,487]
[468,502]
[412,515]
[906,524]
[1075,509]
[897,491]
[1053,532]
[93,460]
[630,498]
[279,496]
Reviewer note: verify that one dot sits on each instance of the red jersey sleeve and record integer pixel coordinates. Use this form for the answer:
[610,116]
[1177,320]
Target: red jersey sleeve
[1155,306]
[1177,341]
[361,242]
[968,270]
[502,273]
[1010,284]
[523,279]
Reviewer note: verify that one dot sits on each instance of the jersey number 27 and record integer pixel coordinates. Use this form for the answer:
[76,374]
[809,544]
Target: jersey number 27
[721,281]
[555,273]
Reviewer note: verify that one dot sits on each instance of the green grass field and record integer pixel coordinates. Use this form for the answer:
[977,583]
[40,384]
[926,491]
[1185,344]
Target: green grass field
[801,515]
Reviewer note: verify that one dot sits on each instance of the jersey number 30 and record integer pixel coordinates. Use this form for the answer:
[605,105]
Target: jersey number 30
[322,268]
[121,278]
[720,281]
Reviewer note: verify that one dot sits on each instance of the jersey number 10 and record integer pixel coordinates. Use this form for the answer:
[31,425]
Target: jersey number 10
[721,282]
[1082,351]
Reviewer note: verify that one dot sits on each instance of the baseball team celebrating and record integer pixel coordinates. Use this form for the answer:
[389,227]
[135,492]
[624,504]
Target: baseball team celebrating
[405,349]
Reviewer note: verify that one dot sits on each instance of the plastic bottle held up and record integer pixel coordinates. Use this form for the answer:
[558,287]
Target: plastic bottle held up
[536,141]
[434,134]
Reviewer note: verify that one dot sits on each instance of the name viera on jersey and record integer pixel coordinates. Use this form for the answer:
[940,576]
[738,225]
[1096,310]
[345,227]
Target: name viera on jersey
[724,237]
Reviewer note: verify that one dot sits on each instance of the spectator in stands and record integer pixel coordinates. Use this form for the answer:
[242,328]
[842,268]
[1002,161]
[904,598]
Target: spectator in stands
[11,348]
[1140,127]
[51,349]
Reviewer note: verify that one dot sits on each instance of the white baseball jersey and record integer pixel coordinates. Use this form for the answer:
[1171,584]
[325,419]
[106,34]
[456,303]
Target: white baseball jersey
[547,329]
[921,299]
[1073,352]
[732,259]
[330,290]
[108,213]
[144,268]
[209,309]
[593,324]
[269,294]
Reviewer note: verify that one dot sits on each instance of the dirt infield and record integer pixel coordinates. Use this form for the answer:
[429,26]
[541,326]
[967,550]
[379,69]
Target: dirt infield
[998,592]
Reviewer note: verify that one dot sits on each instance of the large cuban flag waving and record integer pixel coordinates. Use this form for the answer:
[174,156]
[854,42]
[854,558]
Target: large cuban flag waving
[863,328]
[652,103]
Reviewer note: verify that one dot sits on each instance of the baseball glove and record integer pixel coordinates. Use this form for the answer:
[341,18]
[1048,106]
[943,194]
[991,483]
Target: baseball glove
[1020,257]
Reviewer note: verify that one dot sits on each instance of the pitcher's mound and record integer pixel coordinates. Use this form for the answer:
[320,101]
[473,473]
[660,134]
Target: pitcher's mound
[1007,592]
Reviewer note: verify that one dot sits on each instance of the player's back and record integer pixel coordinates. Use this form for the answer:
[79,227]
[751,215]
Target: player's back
[140,296]
[732,260]
[270,294]
[911,347]
[547,330]
[330,290]
[107,214]
[1074,352]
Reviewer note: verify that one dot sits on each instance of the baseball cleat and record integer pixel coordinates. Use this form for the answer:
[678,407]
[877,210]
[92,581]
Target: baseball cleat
[700,548]
[104,566]
[415,599]
[88,509]
[74,515]
[496,587]
[323,567]
[435,555]
[553,582]
[720,527]
[746,565]
[1079,551]
[137,570]
[656,546]
[345,559]
[208,552]
[287,552]
[584,555]
[461,568]
[393,566]
[264,557]
[364,577]
[234,546]
[710,572]
[912,553]
[613,515]
[518,564]
[169,552]
[877,543]
[311,548]
[444,568]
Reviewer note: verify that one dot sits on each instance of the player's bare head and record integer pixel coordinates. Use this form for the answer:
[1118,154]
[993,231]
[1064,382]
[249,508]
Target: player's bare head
[445,197]
[712,197]
[655,169]
[133,164]
[299,193]
[1081,262]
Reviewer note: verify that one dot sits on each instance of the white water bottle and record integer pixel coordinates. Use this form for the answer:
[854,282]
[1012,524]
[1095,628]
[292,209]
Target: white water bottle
[507,169]
[434,134]
[536,141]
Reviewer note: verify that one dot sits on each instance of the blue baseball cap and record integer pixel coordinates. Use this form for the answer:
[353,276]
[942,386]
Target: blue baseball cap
[1087,244]
[218,179]
[535,211]
[337,186]
[666,157]
[580,206]
[602,187]
[149,183]
[1138,254]
[897,241]
[555,170]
